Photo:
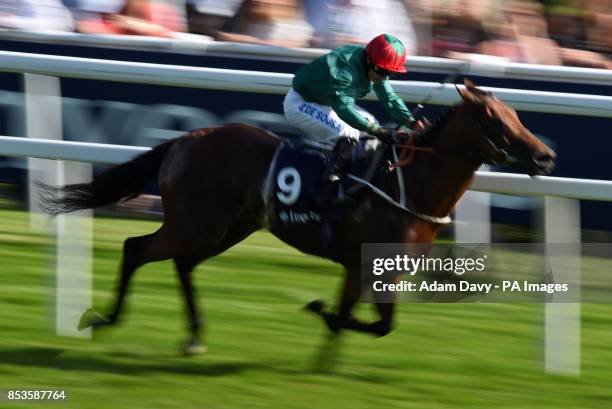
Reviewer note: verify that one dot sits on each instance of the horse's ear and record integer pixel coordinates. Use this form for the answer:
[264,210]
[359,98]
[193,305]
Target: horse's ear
[471,93]
[474,89]
[467,93]
[469,85]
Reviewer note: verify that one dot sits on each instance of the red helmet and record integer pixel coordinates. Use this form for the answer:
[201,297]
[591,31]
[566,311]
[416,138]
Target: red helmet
[387,52]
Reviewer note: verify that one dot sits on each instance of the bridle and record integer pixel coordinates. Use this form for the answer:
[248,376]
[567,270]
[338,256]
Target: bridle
[409,146]
[506,157]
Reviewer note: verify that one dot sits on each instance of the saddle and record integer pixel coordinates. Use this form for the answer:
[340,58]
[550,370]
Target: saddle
[295,175]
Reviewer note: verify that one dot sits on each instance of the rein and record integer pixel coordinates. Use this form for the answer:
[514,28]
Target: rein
[409,149]
[393,202]
[408,153]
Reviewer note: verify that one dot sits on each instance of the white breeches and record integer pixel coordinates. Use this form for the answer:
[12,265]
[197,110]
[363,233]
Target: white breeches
[319,122]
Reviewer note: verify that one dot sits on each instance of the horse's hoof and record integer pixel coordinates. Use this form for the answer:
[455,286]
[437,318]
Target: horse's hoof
[192,348]
[91,318]
[316,306]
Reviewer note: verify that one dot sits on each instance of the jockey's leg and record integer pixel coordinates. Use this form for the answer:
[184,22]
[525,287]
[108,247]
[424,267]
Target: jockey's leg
[321,123]
[318,122]
[336,170]
[341,158]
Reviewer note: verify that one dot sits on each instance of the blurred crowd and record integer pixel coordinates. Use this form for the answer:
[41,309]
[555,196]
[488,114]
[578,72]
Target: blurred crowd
[560,32]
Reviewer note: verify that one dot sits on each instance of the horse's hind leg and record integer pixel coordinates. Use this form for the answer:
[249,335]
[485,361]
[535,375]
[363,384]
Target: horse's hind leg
[137,251]
[184,268]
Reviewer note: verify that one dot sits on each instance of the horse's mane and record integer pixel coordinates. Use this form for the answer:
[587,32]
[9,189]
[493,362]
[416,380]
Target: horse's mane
[439,123]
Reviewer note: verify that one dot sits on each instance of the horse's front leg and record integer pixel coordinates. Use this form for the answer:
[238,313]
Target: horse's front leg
[349,296]
[343,319]
[385,324]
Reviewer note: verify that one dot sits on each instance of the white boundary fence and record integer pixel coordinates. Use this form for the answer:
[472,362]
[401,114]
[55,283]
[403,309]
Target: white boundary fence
[203,45]
[277,83]
[562,327]
[498,182]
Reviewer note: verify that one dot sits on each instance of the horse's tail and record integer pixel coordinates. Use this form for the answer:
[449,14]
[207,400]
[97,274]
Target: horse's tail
[124,181]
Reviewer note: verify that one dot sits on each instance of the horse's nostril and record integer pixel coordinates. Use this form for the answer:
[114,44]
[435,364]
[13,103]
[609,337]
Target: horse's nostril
[544,158]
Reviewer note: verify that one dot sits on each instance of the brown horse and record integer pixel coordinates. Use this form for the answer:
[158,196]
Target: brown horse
[211,182]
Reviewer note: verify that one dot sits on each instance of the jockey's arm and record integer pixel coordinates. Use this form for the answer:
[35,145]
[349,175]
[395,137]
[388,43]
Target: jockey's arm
[345,108]
[393,104]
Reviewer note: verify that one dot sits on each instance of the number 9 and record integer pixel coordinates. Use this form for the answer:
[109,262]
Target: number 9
[290,183]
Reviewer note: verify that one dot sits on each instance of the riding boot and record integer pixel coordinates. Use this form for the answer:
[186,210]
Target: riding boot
[331,191]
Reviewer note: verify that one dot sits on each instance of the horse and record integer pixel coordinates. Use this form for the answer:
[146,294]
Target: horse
[211,182]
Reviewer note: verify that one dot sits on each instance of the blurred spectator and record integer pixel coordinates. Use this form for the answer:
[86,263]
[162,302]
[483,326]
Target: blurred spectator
[95,6]
[529,23]
[315,13]
[599,30]
[456,31]
[566,23]
[420,13]
[473,28]
[268,22]
[209,16]
[35,15]
[339,22]
[580,30]
[135,17]
[503,42]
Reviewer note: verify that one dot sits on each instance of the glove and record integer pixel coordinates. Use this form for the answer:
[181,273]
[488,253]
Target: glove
[389,136]
[422,123]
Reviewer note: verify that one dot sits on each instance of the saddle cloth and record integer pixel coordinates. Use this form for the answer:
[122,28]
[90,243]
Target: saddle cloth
[295,175]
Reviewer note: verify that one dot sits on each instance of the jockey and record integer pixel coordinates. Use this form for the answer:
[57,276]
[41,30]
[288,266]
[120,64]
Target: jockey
[321,101]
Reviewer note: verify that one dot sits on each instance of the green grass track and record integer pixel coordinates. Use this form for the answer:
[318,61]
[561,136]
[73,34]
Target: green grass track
[262,347]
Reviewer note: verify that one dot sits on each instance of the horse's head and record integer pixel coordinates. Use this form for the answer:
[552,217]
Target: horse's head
[501,137]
